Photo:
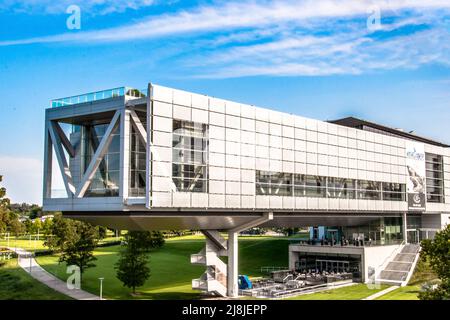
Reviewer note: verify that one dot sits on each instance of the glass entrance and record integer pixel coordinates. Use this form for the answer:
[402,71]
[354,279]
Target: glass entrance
[413,235]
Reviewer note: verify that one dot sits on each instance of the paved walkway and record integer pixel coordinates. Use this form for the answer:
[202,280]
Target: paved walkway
[381,293]
[30,265]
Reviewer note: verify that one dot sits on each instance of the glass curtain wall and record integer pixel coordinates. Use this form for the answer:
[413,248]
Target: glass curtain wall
[137,174]
[382,231]
[190,156]
[434,177]
[301,185]
[105,182]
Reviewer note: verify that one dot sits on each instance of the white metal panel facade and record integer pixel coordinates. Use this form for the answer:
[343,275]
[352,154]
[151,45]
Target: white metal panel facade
[244,138]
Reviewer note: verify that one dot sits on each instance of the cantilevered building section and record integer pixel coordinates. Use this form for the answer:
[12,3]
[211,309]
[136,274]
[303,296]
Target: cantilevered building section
[167,159]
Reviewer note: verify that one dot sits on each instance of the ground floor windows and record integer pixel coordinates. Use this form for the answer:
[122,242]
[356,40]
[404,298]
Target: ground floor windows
[329,263]
[301,185]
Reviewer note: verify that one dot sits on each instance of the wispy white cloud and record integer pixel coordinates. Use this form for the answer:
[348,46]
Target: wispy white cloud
[306,37]
[231,15]
[92,7]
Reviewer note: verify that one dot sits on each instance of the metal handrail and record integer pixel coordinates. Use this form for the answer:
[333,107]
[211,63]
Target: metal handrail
[98,95]
[377,273]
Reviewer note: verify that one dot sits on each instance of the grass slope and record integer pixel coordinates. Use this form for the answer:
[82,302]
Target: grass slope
[16,284]
[171,270]
[402,293]
[354,292]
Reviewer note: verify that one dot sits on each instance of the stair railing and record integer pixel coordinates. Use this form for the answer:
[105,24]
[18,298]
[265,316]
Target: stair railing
[386,261]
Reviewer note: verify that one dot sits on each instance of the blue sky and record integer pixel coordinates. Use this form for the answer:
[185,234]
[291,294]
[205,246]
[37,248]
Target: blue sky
[386,61]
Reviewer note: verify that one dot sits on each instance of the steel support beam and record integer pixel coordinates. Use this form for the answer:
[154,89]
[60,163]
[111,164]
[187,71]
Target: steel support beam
[137,124]
[62,161]
[98,156]
[64,140]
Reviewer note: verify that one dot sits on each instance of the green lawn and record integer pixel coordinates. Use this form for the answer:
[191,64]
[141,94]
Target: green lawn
[16,284]
[402,293]
[24,244]
[354,292]
[171,270]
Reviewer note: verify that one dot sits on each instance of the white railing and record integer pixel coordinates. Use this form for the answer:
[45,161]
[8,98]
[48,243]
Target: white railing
[386,261]
[98,95]
[199,284]
[198,258]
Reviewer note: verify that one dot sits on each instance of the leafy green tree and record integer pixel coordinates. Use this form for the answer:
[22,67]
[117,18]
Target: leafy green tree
[9,220]
[35,212]
[28,226]
[37,225]
[132,266]
[75,240]
[437,252]
[4,202]
[102,232]
[47,226]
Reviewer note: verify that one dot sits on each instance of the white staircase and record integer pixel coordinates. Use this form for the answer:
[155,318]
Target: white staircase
[214,280]
[400,269]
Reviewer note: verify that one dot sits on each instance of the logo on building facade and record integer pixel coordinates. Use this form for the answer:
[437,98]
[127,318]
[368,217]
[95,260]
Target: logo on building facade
[415,166]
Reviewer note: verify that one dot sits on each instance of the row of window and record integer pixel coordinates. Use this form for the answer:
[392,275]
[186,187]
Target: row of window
[434,177]
[301,185]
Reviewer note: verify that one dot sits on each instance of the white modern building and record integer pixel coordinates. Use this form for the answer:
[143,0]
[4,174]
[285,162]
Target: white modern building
[162,158]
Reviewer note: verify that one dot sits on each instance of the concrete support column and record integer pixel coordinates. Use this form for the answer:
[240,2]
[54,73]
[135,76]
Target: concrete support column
[232,268]
[405,228]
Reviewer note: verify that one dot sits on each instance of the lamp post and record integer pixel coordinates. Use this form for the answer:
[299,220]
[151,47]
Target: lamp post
[101,288]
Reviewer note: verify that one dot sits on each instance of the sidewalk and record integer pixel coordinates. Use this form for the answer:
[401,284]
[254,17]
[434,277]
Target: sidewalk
[27,262]
[381,293]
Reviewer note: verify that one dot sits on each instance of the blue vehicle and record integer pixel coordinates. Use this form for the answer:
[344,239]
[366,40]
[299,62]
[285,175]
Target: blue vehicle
[244,282]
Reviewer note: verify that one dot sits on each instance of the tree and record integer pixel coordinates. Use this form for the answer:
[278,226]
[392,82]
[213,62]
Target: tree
[37,225]
[75,240]
[35,212]
[9,220]
[437,252]
[102,232]
[47,226]
[4,202]
[132,268]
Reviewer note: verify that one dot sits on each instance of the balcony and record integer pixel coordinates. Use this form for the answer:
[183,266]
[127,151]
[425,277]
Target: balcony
[99,95]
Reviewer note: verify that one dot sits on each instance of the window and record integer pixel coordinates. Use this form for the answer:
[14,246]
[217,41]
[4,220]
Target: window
[309,186]
[190,156]
[106,179]
[341,188]
[281,184]
[394,191]
[137,174]
[273,183]
[434,177]
[370,190]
